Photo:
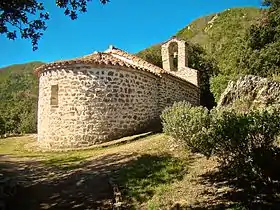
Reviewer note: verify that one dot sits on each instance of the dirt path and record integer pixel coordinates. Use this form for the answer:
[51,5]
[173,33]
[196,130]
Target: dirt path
[45,183]
[83,179]
[85,187]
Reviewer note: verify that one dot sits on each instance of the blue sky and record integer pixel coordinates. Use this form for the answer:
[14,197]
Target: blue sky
[131,25]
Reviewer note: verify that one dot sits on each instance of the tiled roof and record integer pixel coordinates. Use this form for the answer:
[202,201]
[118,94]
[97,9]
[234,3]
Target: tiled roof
[139,62]
[113,57]
[135,60]
[98,58]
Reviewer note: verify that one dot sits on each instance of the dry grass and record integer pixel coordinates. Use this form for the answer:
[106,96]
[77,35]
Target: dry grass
[152,172]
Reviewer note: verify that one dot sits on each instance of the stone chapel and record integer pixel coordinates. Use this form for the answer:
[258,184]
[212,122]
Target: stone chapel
[108,95]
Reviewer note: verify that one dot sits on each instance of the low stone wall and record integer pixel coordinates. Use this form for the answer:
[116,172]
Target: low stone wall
[94,105]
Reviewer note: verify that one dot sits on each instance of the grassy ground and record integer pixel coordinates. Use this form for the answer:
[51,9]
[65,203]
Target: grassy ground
[151,173]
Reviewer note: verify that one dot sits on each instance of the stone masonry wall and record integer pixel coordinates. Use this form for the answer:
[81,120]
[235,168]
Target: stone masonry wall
[167,57]
[94,105]
[174,90]
[182,70]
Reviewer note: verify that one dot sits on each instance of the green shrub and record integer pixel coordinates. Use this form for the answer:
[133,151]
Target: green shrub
[236,138]
[27,123]
[188,124]
[240,141]
[219,83]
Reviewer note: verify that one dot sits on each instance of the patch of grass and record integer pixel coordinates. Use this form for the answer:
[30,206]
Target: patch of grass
[67,162]
[16,147]
[153,173]
[149,175]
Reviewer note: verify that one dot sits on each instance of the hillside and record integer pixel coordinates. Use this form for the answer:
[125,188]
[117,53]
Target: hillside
[18,68]
[18,96]
[219,34]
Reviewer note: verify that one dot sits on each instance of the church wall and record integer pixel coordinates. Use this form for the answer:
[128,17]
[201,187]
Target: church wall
[174,90]
[94,105]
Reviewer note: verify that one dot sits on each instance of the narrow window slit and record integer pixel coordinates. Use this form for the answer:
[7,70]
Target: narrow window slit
[54,95]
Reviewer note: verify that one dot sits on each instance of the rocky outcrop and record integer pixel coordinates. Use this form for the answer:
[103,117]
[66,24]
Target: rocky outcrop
[250,92]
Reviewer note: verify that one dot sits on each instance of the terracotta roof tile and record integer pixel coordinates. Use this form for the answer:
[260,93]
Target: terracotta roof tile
[141,62]
[136,60]
[95,59]
[112,57]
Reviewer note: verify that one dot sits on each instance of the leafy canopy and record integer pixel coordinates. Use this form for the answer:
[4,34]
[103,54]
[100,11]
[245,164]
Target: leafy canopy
[261,53]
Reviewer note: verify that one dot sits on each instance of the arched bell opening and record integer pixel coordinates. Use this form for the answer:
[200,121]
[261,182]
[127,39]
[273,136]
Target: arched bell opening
[173,56]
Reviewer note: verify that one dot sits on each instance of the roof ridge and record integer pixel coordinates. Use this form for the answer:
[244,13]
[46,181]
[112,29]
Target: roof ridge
[149,66]
[135,58]
[107,58]
[98,58]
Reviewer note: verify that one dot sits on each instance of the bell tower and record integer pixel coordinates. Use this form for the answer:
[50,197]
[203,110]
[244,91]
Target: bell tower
[174,54]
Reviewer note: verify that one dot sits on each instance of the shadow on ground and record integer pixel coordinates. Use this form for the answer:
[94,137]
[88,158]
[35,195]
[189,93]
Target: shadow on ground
[140,179]
[87,185]
[261,191]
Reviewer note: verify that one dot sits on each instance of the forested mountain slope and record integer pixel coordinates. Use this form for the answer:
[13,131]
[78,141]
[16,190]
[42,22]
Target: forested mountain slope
[18,96]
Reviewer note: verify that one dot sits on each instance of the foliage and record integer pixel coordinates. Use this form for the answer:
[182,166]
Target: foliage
[260,54]
[215,44]
[240,141]
[263,62]
[219,83]
[2,126]
[188,124]
[28,17]
[239,41]
[198,59]
[253,52]
[18,95]
[221,35]
[152,55]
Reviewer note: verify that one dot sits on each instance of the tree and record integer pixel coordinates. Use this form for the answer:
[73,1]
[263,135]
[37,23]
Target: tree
[273,4]
[28,17]
[2,126]
[260,55]
[18,97]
